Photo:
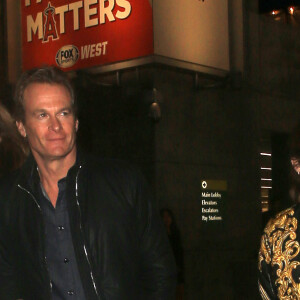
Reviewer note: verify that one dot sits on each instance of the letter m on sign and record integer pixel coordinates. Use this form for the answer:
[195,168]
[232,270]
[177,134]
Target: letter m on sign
[34,26]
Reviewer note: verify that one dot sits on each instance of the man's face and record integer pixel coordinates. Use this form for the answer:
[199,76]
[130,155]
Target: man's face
[49,125]
[295,163]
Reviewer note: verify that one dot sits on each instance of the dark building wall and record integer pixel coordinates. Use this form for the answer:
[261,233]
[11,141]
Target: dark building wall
[215,133]
[210,134]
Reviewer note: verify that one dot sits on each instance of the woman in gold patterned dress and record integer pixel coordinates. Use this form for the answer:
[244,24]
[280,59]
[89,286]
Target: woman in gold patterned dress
[279,255]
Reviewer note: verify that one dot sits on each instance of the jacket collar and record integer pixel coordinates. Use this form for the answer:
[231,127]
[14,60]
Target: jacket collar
[29,173]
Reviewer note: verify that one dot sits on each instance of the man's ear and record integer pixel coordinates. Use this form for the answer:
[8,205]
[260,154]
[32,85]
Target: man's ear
[76,124]
[21,128]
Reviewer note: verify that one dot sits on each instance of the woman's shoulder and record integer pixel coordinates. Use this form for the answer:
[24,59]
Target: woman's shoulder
[283,221]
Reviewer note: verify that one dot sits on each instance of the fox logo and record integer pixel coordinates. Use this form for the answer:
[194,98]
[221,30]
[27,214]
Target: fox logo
[67,56]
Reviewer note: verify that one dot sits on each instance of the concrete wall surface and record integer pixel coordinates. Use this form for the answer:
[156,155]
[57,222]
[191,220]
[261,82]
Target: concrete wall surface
[215,133]
[210,134]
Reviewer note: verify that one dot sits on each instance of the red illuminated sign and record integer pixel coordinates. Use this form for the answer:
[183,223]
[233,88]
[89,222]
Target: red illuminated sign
[79,34]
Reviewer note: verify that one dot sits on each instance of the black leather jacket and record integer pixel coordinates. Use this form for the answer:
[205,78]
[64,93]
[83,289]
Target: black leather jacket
[120,245]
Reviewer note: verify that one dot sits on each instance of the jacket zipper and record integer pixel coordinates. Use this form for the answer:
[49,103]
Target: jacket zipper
[80,226]
[45,258]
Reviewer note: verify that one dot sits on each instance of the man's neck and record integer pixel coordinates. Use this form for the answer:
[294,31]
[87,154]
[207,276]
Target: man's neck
[52,170]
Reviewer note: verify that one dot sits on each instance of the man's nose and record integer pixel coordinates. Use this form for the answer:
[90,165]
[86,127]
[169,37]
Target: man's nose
[55,124]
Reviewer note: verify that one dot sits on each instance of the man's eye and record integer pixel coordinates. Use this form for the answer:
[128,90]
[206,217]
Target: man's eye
[64,113]
[42,115]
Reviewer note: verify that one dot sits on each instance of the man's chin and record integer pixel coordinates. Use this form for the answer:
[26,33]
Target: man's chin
[56,153]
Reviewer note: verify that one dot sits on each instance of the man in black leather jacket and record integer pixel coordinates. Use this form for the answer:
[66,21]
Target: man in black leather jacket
[73,226]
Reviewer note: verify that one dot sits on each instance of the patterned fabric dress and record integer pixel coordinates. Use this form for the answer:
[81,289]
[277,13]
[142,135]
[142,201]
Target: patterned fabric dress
[279,257]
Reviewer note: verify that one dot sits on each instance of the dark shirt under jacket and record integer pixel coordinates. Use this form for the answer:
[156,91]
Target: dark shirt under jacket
[60,255]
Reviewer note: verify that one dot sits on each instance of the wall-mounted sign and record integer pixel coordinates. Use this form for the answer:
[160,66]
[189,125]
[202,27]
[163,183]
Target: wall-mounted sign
[78,34]
[213,194]
[193,31]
